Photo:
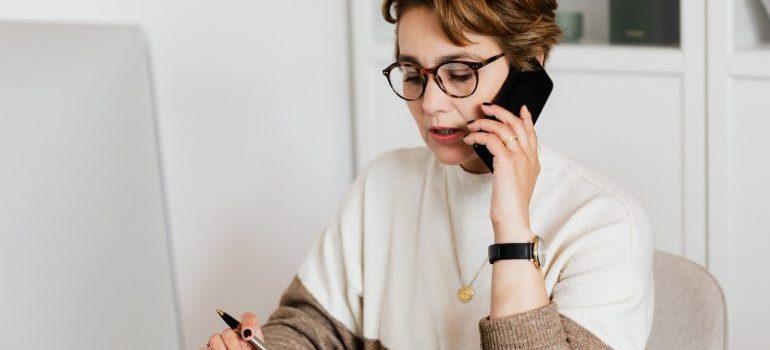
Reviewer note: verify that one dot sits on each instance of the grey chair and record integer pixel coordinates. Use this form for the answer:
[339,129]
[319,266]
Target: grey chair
[690,311]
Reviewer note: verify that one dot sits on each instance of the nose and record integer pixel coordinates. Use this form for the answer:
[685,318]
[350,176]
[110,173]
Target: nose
[434,100]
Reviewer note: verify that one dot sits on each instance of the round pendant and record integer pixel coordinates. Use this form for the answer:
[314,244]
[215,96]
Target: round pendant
[465,293]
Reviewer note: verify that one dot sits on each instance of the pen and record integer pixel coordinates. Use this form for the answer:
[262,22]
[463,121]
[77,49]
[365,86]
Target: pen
[234,324]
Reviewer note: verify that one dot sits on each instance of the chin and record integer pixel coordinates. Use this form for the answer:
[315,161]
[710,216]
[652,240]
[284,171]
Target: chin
[452,154]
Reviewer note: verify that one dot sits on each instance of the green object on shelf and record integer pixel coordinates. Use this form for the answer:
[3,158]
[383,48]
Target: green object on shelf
[646,22]
[571,24]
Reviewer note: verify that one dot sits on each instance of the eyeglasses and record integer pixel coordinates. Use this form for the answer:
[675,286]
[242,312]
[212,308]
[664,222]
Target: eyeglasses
[456,78]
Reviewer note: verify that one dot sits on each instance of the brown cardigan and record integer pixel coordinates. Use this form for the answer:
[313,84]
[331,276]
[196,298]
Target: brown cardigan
[300,322]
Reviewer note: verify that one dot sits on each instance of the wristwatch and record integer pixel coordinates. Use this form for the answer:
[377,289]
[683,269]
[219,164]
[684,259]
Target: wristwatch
[533,250]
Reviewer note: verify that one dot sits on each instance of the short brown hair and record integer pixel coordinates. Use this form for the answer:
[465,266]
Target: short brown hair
[522,28]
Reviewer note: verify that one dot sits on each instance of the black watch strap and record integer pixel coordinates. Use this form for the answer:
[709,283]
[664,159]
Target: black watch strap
[503,251]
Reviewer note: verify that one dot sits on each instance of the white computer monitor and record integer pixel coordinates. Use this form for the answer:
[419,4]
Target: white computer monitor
[84,246]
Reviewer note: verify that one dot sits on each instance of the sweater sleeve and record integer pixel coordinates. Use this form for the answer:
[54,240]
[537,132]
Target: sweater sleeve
[322,307]
[541,328]
[604,296]
[301,322]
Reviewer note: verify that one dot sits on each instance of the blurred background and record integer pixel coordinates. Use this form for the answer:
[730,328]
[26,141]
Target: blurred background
[266,111]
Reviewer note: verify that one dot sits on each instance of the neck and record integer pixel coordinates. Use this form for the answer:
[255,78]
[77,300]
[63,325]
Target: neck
[474,165]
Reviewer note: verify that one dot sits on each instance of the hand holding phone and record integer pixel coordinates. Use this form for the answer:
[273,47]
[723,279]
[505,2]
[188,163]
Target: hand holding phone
[530,88]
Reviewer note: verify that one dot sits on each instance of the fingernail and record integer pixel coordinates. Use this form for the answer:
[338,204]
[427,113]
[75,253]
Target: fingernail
[487,104]
[246,333]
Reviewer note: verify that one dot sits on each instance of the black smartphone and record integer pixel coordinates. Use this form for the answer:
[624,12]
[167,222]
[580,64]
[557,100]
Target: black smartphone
[530,87]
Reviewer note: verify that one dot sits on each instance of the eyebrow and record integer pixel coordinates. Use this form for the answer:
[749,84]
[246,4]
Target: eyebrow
[444,58]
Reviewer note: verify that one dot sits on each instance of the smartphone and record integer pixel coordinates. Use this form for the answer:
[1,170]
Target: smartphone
[530,88]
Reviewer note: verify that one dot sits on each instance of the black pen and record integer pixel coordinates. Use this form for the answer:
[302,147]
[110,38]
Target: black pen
[234,324]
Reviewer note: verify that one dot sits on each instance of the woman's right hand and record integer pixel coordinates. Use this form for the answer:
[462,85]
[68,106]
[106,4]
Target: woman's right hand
[229,339]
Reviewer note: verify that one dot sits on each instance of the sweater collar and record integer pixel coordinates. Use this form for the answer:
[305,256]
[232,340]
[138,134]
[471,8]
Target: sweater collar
[470,194]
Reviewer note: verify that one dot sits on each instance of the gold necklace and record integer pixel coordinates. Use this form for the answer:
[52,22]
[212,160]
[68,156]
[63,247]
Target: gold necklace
[465,292]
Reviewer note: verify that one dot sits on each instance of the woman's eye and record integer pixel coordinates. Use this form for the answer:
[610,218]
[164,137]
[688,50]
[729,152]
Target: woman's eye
[461,78]
[412,79]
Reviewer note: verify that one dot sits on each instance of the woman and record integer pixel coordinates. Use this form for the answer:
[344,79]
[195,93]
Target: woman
[404,262]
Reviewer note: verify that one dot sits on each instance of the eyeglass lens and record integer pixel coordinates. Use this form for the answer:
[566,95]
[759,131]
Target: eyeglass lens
[454,78]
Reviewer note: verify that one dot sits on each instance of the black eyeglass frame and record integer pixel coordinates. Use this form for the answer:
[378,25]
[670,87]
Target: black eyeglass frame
[424,72]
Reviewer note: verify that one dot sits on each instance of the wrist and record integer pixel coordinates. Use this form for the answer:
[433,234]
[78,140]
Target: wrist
[513,235]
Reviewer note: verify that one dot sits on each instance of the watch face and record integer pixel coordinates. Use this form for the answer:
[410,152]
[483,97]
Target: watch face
[541,251]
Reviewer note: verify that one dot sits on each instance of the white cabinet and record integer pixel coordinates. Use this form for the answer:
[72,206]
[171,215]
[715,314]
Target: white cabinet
[682,127]
[738,104]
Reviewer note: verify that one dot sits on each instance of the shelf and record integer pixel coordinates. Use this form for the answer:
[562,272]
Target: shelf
[757,47]
[649,23]
[751,20]
[750,57]
[617,58]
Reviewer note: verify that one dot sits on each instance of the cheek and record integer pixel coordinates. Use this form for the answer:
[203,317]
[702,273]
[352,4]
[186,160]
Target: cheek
[490,84]
[470,107]
[415,109]
[488,94]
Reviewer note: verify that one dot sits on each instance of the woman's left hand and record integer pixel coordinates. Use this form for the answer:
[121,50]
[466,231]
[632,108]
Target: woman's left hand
[516,169]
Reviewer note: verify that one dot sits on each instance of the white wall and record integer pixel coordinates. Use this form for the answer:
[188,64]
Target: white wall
[255,159]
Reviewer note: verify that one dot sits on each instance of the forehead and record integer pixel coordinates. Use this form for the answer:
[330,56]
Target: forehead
[421,39]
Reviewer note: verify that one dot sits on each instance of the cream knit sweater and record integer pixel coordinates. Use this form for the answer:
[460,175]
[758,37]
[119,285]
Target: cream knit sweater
[383,273]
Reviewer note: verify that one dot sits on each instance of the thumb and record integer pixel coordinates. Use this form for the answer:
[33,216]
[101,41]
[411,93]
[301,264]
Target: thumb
[250,327]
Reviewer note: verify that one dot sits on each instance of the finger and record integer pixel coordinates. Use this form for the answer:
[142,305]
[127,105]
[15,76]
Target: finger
[514,123]
[529,125]
[216,343]
[248,324]
[501,130]
[522,138]
[493,143]
[233,341]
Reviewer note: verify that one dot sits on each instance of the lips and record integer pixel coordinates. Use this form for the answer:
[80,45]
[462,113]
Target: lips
[448,137]
[441,128]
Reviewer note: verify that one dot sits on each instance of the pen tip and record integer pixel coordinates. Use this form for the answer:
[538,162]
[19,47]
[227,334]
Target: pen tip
[220,312]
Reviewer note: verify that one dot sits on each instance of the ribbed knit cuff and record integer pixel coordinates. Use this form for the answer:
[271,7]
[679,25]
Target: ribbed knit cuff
[536,328]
